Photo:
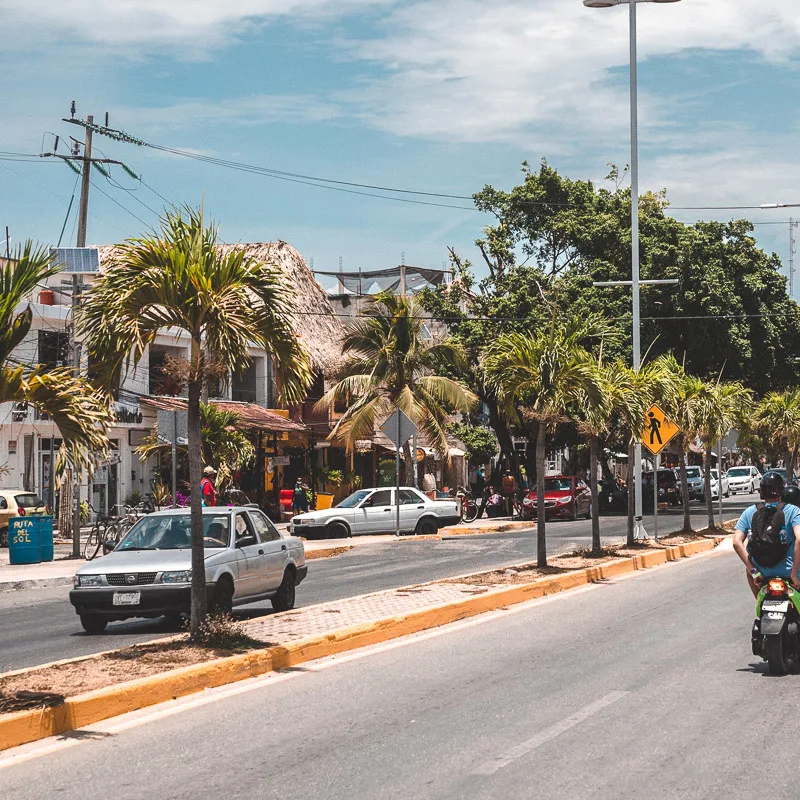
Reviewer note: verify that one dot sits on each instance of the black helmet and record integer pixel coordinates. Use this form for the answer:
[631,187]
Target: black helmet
[791,494]
[771,486]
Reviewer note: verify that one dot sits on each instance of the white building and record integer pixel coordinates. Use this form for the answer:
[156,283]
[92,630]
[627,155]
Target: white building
[29,440]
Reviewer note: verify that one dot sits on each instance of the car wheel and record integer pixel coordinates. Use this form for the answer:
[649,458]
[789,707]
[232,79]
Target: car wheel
[589,511]
[222,602]
[3,537]
[574,513]
[337,530]
[93,624]
[426,527]
[283,600]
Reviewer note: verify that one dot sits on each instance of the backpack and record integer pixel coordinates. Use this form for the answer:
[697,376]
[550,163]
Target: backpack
[765,545]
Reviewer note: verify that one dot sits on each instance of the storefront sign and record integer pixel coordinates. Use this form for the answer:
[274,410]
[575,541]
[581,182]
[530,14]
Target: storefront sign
[280,461]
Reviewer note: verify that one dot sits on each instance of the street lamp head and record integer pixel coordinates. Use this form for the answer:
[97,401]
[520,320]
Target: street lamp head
[609,3]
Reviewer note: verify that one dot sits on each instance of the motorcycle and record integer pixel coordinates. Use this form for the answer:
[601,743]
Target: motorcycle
[776,631]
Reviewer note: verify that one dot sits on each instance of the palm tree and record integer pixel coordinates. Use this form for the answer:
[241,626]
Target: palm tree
[178,278]
[717,406]
[543,373]
[225,447]
[681,407]
[389,364]
[81,413]
[632,393]
[779,415]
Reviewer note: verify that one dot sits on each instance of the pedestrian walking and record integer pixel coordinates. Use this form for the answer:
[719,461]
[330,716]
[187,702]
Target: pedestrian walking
[208,492]
[509,487]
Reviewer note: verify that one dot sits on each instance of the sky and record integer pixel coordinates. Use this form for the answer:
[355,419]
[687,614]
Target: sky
[439,96]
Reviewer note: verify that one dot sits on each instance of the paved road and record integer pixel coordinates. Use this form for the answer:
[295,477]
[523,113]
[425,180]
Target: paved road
[39,625]
[642,687]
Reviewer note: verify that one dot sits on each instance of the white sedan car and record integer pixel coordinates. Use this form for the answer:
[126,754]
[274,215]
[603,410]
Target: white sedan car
[744,480]
[372,511]
[715,485]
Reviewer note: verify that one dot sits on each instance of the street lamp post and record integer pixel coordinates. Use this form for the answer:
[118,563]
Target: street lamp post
[639,532]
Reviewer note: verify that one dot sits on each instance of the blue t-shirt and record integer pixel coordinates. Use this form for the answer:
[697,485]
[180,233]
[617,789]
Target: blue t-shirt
[791,514]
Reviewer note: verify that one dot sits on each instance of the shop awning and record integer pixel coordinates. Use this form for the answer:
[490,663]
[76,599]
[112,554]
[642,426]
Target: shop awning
[251,416]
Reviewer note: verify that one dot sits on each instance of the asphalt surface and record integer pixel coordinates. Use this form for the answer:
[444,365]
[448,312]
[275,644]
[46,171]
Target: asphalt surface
[39,625]
[641,687]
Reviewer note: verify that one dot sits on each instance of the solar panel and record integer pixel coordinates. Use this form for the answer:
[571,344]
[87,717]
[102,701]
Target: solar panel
[77,259]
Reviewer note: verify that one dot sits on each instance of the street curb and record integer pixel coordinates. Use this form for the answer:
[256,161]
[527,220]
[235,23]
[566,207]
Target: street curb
[328,552]
[36,583]
[502,527]
[22,727]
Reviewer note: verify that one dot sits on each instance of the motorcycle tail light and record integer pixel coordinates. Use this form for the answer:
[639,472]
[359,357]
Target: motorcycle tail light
[776,587]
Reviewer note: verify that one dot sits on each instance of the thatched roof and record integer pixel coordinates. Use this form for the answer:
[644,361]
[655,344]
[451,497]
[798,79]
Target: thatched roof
[314,319]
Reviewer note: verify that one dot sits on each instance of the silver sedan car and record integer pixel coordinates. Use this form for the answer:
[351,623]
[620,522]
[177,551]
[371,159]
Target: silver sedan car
[149,572]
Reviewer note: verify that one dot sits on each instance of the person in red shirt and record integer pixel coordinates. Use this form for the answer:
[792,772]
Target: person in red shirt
[207,490]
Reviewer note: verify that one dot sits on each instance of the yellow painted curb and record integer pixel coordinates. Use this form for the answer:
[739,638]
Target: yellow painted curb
[76,712]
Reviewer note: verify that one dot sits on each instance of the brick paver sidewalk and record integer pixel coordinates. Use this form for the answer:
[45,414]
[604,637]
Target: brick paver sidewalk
[329,617]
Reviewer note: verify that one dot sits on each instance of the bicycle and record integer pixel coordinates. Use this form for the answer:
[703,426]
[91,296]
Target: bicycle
[97,535]
[469,506]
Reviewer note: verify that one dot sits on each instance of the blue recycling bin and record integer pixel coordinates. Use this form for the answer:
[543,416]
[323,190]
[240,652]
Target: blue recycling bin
[30,540]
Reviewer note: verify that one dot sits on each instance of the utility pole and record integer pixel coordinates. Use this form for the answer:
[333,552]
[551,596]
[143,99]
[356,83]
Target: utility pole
[83,214]
[793,223]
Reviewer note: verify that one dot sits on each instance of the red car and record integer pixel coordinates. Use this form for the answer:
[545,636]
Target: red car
[565,497]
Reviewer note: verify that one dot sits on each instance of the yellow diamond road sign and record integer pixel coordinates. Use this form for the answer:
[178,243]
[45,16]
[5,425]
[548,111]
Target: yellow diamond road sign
[658,431]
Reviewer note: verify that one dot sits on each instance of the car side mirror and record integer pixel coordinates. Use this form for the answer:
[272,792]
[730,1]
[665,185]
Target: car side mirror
[109,545]
[246,540]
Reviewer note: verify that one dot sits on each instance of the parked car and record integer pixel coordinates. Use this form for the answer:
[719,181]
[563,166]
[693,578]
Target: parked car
[613,496]
[743,480]
[668,488]
[715,485]
[18,503]
[149,572]
[696,483]
[775,471]
[372,511]
[565,497]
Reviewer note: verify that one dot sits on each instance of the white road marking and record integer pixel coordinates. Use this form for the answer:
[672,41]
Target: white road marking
[115,725]
[548,734]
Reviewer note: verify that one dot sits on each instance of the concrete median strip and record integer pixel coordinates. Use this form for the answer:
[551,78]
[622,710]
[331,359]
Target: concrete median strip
[21,727]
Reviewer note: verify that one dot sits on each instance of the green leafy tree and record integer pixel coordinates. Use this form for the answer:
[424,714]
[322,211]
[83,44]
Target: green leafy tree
[480,441]
[177,277]
[389,364]
[81,413]
[537,377]
[778,415]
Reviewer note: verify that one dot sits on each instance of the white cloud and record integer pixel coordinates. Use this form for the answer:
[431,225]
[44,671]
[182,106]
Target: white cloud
[536,72]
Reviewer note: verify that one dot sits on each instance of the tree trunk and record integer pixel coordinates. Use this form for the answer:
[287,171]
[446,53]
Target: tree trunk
[794,461]
[65,505]
[195,387]
[500,428]
[787,462]
[593,448]
[541,455]
[687,514]
[707,476]
[631,494]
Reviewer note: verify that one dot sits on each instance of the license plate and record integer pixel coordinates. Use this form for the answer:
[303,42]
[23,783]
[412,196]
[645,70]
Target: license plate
[127,598]
[784,606]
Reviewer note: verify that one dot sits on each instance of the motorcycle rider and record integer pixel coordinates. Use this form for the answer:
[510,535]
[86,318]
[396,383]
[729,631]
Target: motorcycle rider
[771,490]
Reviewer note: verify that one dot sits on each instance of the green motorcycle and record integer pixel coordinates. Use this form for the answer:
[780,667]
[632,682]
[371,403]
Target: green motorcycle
[776,631]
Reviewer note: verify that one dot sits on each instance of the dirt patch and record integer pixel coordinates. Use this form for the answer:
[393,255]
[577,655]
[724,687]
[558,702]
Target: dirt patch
[17,692]
[334,551]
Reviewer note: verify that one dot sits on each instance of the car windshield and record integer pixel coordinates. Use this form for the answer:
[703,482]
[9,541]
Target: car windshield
[664,476]
[557,484]
[738,472]
[693,472]
[28,501]
[714,474]
[354,499]
[172,532]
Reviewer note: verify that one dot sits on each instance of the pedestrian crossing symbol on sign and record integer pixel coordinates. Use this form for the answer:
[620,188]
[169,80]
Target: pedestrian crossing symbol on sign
[658,431]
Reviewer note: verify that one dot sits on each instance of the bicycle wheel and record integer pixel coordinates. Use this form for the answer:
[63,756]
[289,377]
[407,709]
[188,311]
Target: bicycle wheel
[93,543]
[469,511]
